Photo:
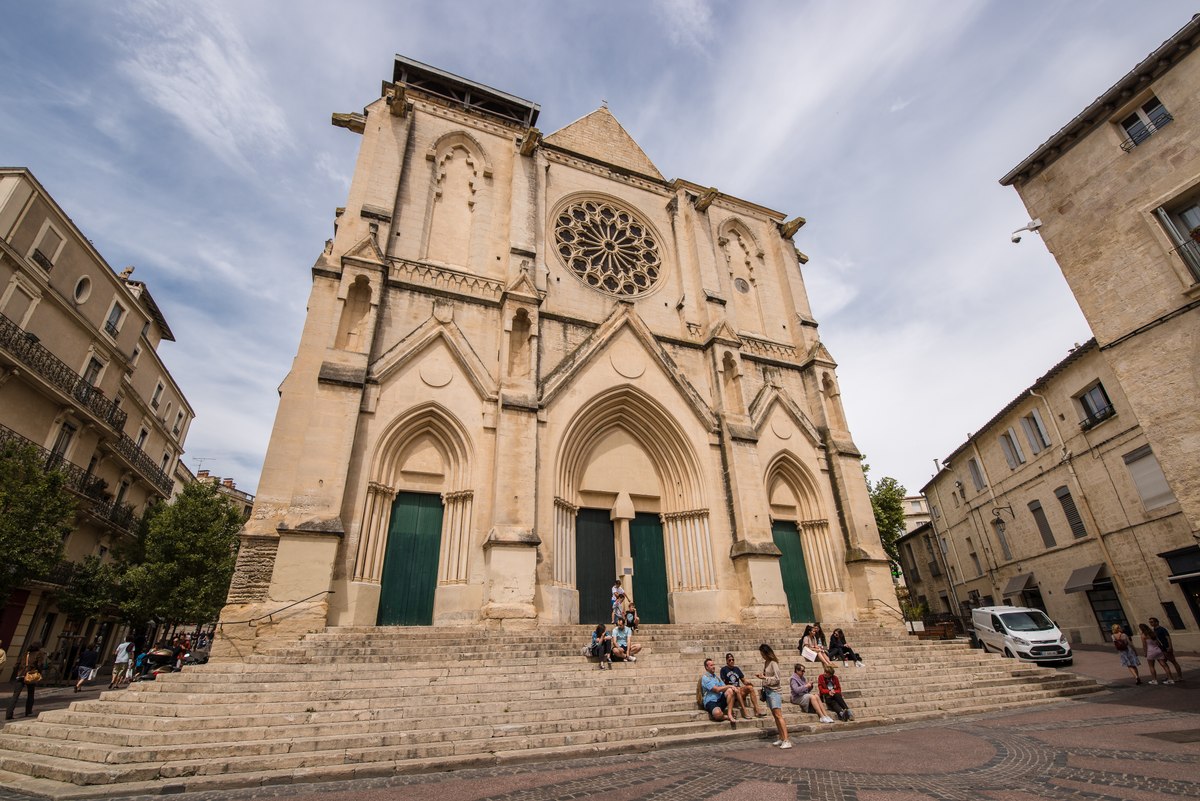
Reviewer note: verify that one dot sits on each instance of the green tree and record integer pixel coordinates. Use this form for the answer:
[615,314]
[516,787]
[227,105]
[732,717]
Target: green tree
[92,590]
[189,549]
[887,502]
[36,513]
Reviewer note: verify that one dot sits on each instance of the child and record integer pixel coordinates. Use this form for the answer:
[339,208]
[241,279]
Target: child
[831,694]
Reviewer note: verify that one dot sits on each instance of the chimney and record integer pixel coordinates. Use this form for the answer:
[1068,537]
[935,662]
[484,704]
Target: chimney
[201,474]
[228,483]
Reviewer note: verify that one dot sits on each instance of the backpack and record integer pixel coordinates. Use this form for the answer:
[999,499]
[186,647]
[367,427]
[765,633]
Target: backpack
[700,692]
[1121,644]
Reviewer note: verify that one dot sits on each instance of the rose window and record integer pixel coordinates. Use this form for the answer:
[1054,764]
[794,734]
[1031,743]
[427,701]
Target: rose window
[607,247]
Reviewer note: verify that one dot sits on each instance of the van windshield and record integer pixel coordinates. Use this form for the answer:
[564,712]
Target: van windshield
[1032,620]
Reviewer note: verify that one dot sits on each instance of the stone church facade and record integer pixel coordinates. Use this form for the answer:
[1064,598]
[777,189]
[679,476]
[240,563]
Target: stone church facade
[532,363]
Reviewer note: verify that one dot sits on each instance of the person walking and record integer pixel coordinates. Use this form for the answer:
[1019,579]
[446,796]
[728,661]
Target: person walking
[86,667]
[770,685]
[29,676]
[1153,651]
[1125,649]
[121,659]
[1164,639]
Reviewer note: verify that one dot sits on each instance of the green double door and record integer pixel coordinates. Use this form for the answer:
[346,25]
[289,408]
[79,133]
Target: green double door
[595,566]
[793,571]
[410,562]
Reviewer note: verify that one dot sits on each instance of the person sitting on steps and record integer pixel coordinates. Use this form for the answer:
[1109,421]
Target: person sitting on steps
[805,695]
[812,646]
[838,649]
[602,647]
[718,697]
[732,675]
[831,694]
[622,649]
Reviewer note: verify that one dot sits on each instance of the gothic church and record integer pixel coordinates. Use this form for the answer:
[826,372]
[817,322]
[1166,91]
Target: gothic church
[532,363]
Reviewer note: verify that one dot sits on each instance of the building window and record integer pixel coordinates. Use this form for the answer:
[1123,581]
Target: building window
[1143,122]
[937,514]
[1002,539]
[116,316]
[83,289]
[141,439]
[1148,477]
[1035,431]
[178,423]
[1068,505]
[1181,221]
[137,354]
[122,491]
[157,396]
[976,474]
[974,558]
[91,374]
[1095,405]
[49,245]
[912,560]
[1012,449]
[916,506]
[63,441]
[165,461]
[1043,525]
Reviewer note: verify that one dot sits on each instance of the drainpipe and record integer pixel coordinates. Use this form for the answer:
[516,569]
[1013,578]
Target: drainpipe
[1068,459]
[988,552]
[946,557]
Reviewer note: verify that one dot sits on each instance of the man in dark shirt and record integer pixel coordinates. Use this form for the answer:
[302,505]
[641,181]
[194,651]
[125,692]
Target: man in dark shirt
[87,663]
[1164,640]
[732,676]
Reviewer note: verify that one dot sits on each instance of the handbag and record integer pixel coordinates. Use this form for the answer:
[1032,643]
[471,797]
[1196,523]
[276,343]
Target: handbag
[33,676]
[808,654]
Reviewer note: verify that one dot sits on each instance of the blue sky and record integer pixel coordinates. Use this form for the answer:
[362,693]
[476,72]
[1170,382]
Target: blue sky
[193,141]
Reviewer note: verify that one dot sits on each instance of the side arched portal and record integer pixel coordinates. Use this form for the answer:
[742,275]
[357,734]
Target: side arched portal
[810,559]
[415,533]
[625,460]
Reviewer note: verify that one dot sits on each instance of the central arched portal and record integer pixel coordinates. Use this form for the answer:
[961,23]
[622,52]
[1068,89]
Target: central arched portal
[628,505]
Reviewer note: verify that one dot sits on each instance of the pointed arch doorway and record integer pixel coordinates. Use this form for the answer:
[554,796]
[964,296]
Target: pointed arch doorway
[596,563]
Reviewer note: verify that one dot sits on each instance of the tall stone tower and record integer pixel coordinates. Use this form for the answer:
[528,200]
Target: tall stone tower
[532,364]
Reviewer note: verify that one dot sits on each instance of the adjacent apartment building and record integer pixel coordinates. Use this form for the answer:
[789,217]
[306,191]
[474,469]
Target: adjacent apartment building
[82,381]
[1059,503]
[1117,195]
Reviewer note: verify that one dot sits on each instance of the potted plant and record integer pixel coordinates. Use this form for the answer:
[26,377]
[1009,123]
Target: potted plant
[1195,233]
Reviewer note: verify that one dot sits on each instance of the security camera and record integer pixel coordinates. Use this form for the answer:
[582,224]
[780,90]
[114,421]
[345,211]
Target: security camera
[1016,238]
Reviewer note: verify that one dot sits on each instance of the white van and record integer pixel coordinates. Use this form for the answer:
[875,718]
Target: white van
[1021,632]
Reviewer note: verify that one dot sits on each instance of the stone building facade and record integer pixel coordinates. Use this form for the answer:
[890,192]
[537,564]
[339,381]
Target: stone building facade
[533,363]
[80,379]
[1117,195]
[1059,503]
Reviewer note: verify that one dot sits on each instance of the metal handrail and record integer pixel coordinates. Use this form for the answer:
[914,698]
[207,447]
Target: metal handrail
[254,620]
[889,606]
[28,350]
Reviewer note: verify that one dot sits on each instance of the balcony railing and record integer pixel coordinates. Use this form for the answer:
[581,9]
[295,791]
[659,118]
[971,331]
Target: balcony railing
[129,450]
[41,260]
[1140,132]
[78,479]
[111,328]
[1189,251]
[29,351]
[1097,417]
[118,514]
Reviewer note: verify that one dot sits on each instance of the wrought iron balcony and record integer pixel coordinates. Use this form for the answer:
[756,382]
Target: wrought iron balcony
[26,349]
[115,513]
[78,479]
[1189,251]
[1097,417]
[1140,132]
[41,260]
[129,451]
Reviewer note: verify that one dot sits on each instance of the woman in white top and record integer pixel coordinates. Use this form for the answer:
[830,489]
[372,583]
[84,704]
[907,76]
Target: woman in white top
[811,647]
[770,685]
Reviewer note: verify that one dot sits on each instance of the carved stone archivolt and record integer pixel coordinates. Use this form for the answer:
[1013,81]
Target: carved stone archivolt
[608,247]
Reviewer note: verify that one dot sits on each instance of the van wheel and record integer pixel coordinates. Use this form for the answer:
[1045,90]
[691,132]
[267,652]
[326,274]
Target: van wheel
[1008,653]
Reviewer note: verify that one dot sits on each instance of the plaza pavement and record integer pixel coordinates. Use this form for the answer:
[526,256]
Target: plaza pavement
[1138,743]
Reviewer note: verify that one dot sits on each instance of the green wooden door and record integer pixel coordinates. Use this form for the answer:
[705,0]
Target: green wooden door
[649,568]
[410,563]
[795,574]
[595,565]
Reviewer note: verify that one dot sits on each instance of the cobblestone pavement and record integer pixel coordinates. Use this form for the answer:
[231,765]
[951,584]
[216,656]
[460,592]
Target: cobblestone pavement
[1130,742]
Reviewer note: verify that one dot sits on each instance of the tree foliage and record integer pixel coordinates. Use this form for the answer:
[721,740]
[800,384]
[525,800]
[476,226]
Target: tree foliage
[188,550]
[887,502]
[92,590]
[36,513]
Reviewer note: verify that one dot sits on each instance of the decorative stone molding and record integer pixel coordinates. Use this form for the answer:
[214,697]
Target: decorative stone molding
[372,535]
[689,550]
[563,572]
[765,347]
[456,536]
[422,274]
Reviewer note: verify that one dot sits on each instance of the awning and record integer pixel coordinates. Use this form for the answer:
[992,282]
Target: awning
[1018,583]
[1083,579]
[1183,577]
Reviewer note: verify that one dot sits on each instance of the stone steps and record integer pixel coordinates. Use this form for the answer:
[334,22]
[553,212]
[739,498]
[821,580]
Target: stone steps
[350,702]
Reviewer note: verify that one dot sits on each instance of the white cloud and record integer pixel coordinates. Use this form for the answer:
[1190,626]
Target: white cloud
[688,23]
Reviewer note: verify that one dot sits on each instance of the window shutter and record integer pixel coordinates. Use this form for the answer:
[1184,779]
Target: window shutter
[1016,444]
[1148,478]
[1073,519]
[1039,517]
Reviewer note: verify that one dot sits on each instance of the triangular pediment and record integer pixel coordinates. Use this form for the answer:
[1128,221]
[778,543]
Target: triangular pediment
[722,332]
[523,287]
[599,136]
[769,398]
[819,353]
[366,250]
[417,342]
[624,318]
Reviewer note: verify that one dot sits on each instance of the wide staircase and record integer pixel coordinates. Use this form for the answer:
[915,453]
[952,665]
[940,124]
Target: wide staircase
[355,702]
